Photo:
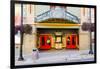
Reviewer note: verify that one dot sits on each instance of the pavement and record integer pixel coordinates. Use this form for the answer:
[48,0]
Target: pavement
[59,56]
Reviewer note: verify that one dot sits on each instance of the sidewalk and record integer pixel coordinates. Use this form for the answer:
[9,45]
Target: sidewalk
[56,57]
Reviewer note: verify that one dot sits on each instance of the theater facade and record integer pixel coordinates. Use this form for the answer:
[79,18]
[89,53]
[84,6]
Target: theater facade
[55,27]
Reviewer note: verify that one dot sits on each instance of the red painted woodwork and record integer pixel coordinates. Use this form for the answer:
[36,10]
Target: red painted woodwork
[43,42]
[71,41]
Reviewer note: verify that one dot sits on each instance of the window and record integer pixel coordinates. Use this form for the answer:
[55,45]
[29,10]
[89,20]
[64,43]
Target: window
[48,41]
[73,41]
[43,41]
[68,41]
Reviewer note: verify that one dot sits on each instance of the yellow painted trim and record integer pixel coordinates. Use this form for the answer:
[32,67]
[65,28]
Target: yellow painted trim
[55,24]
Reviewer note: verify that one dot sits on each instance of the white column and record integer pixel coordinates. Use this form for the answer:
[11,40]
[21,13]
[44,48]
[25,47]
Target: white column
[84,39]
[30,14]
[30,39]
[34,32]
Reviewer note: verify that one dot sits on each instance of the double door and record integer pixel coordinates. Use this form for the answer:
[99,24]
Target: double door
[45,42]
[71,41]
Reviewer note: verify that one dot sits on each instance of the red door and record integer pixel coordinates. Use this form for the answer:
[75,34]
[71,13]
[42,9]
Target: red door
[71,41]
[45,41]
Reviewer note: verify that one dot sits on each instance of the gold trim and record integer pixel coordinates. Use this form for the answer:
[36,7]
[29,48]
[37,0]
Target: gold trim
[55,24]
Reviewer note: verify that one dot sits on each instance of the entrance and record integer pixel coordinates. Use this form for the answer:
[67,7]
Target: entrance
[71,41]
[45,42]
[58,40]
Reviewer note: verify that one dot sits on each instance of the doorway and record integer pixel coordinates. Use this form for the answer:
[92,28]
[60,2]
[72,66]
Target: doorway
[71,41]
[45,42]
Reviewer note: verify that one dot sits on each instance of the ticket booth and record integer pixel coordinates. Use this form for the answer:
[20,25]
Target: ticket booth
[71,41]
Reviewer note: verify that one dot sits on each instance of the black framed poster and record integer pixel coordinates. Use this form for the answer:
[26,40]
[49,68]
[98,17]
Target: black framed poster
[50,34]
